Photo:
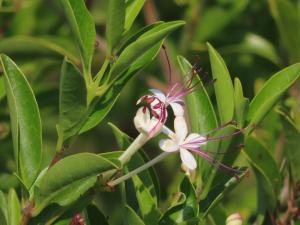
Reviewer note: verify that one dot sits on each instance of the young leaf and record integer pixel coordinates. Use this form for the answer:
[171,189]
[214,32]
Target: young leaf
[265,164]
[69,178]
[141,45]
[72,101]
[83,27]
[184,211]
[25,120]
[104,103]
[201,112]
[223,85]
[13,208]
[132,217]
[273,89]
[133,7]
[292,143]
[115,22]
[241,103]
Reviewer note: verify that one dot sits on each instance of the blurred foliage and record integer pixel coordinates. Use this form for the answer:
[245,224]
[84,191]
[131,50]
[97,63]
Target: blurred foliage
[255,38]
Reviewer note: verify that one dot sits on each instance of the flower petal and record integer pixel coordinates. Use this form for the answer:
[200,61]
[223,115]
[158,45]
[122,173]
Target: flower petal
[194,137]
[180,128]
[142,120]
[188,159]
[161,96]
[168,145]
[177,109]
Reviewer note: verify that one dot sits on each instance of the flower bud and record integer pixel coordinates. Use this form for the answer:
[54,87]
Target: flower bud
[234,219]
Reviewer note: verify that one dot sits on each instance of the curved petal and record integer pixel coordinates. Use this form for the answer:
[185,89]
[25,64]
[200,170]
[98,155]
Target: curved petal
[142,119]
[177,109]
[161,96]
[168,145]
[180,128]
[188,159]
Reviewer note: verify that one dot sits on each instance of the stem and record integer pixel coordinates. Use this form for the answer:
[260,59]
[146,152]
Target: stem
[138,170]
[133,148]
[101,72]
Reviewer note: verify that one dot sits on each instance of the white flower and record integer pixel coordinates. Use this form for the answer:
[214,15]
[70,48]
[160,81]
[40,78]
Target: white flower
[146,124]
[184,143]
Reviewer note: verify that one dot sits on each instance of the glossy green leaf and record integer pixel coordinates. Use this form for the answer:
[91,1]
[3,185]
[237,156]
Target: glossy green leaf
[201,112]
[72,101]
[217,192]
[286,16]
[83,28]
[273,89]
[149,176]
[115,22]
[39,46]
[292,143]
[261,159]
[94,216]
[147,204]
[241,103]
[132,217]
[223,85]
[184,211]
[3,209]
[133,7]
[69,178]
[25,120]
[13,208]
[141,45]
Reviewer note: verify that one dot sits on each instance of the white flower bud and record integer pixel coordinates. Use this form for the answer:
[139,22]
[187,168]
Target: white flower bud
[234,219]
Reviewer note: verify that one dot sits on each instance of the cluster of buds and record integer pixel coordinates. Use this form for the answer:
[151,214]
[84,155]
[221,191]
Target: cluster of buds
[77,220]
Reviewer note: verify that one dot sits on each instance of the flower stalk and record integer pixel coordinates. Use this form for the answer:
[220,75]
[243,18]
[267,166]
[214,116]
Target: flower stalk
[138,170]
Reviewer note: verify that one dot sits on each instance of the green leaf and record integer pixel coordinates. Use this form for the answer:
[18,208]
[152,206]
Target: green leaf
[25,120]
[241,103]
[149,39]
[264,163]
[38,47]
[133,7]
[216,18]
[223,85]
[94,216]
[147,204]
[69,178]
[201,112]
[103,104]
[72,101]
[13,208]
[149,176]
[115,22]
[254,44]
[292,143]
[217,192]
[273,89]
[2,87]
[286,16]
[3,209]
[184,211]
[132,217]
[83,27]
